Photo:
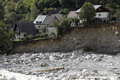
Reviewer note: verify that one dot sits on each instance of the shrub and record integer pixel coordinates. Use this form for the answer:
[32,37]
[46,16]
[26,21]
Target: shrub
[87,48]
[42,35]
[87,12]
[53,34]
[64,11]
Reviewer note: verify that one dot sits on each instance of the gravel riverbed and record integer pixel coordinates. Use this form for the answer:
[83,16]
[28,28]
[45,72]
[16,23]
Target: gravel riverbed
[75,65]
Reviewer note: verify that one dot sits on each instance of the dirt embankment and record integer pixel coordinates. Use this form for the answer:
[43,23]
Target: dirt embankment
[99,37]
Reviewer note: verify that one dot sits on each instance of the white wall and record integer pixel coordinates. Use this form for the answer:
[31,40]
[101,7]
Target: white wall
[102,15]
[22,35]
[40,27]
[51,30]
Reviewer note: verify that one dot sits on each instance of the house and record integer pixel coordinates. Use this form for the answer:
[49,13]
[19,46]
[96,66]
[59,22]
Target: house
[44,23]
[72,14]
[102,13]
[23,30]
[46,20]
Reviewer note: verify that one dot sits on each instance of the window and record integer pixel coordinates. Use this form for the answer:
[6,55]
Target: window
[25,35]
[99,14]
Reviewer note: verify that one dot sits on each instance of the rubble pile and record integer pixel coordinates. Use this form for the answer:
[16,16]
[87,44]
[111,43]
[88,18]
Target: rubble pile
[76,65]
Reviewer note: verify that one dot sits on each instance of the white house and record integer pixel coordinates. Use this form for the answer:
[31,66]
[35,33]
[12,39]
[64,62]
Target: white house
[102,13]
[44,23]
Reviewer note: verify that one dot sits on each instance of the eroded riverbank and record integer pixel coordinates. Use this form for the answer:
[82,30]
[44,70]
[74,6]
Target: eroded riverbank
[76,65]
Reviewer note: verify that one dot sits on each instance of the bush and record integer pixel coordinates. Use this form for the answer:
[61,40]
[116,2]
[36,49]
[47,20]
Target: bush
[76,21]
[64,11]
[64,25]
[87,12]
[30,37]
[87,48]
[42,35]
[53,34]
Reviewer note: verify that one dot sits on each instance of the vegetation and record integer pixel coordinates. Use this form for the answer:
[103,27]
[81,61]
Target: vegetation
[5,36]
[27,10]
[87,48]
[64,25]
[12,11]
[87,12]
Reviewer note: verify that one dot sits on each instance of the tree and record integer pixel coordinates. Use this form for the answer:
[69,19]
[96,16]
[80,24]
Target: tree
[5,37]
[1,11]
[64,25]
[64,11]
[87,12]
[64,3]
[19,8]
[10,7]
[34,13]
[11,18]
[79,3]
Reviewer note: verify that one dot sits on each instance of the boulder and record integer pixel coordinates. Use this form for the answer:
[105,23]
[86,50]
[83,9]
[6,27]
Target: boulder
[51,58]
[43,64]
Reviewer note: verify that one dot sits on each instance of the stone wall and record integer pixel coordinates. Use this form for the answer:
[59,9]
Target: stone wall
[100,37]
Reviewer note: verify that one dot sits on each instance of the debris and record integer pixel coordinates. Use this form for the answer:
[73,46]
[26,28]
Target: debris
[4,61]
[69,77]
[49,69]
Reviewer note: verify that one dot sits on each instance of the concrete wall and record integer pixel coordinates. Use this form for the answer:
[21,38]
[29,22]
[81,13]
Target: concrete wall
[52,32]
[99,37]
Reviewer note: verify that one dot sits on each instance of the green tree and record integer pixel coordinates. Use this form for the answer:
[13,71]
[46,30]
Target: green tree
[64,25]
[19,8]
[87,12]
[64,3]
[11,18]
[10,7]
[34,13]
[5,37]
[64,11]
[79,3]
[1,11]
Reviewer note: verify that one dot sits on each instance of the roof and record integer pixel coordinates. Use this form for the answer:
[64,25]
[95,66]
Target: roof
[95,6]
[28,28]
[72,14]
[58,16]
[47,19]
[40,19]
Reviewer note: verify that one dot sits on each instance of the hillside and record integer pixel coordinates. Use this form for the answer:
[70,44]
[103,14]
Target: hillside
[27,10]
[98,37]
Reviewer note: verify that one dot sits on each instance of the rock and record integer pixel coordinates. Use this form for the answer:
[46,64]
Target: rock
[82,77]
[28,73]
[75,77]
[93,56]
[57,57]
[12,78]
[50,75]
[95,71]
[97,59]
[39,57]
[51,58]
[44,64]
[88,57]
[85,72]
[64,79]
